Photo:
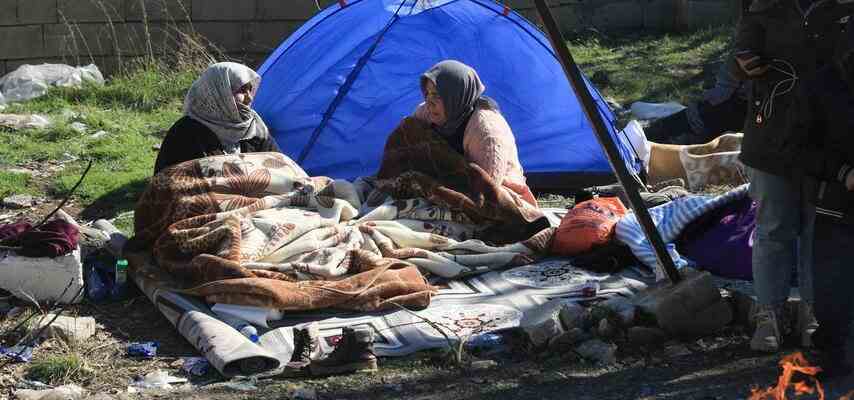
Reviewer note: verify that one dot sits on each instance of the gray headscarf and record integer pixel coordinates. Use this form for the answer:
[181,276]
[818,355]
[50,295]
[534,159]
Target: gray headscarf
[211,101]
[461,92]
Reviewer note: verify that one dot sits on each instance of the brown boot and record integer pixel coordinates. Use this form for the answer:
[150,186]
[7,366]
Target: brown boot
[306,349]
[354,353]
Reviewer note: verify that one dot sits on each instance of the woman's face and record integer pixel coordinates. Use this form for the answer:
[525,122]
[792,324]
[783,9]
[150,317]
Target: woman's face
[244,95]
[435,107]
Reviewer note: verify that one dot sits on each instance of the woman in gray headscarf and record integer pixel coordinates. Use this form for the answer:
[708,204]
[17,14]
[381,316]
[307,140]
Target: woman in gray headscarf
[218,118]
[456,108]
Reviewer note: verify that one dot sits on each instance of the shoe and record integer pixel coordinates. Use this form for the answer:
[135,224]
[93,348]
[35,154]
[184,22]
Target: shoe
[807,323]
[306,349]
[766,337]
[353,353]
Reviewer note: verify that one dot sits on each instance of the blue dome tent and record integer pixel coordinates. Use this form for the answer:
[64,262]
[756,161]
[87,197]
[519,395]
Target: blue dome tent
[334,90]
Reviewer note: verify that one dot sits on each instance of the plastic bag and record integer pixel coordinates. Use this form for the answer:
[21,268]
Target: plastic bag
[589,224]
[31,81]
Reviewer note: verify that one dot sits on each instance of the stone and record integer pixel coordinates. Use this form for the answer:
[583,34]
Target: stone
[543,323]
[42,278]
[18,201]
[606,329]
[483,364]
[572,315]
[598,351]
[646,336]
[69,329]
[100,396]
[623,307]
[79,127]
[98,135]
[566,341]
[301,393]
[692,308]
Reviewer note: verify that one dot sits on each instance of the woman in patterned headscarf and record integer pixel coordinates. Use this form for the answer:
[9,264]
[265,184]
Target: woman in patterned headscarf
[218,118]
[472,124]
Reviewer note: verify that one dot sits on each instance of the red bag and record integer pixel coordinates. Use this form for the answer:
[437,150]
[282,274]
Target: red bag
[588,224]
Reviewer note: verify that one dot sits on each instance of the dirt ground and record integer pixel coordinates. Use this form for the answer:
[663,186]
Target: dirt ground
[717,367]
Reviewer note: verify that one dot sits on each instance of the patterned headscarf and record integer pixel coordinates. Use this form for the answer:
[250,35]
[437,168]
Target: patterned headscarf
[211,101]
[460,89]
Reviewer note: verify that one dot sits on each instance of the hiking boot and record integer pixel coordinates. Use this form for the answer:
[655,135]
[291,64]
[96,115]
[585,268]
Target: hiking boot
[353,353]
[766,337]
[306,348]
[807,323]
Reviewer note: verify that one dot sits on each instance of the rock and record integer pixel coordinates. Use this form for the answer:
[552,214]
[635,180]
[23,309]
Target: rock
[572,315]
[600,352]
[543,322]
[79,127]
[23,171]
[646,336]
[566,341]
[100,396]
[67,392]
[18,201]
[676,350]
[606,329]
[483,364]
[623,308]
[98,135]
[301,393]
[69,329]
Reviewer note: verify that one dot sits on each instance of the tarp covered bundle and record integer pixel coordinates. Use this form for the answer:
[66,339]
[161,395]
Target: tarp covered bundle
[334,90]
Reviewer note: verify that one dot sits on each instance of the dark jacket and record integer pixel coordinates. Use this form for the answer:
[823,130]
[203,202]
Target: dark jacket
[823,140]
[189,139]
[793,40]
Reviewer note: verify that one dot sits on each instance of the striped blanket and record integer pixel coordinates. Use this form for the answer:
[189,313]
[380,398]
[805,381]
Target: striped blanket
[670,219]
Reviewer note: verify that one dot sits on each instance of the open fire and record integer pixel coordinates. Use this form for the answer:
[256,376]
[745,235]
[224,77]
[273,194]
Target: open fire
[805,382]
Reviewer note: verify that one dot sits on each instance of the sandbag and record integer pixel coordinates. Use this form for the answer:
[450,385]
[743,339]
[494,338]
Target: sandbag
[588,224]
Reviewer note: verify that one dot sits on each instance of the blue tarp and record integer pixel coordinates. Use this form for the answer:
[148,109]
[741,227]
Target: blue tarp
[334,90]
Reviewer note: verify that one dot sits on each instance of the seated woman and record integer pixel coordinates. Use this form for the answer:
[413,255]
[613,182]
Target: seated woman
[472,123]
[218,118]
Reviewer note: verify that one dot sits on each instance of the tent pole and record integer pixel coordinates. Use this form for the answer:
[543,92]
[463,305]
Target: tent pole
[627,181]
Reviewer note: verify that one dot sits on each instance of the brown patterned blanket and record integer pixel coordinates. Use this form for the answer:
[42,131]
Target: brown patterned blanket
[255,229]
[418,163]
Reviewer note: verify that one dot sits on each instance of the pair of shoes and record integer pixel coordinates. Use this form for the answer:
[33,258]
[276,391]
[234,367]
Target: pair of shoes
[766,337]
[353,353]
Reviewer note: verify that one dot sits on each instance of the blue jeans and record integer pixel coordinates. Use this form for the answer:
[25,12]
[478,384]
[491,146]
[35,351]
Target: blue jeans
[783,239]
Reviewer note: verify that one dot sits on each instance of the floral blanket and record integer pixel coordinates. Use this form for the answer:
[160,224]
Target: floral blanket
[255,229]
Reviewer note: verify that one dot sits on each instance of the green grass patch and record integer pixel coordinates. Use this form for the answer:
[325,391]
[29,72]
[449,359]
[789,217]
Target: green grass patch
[653,66]
[15,183]
[58,369]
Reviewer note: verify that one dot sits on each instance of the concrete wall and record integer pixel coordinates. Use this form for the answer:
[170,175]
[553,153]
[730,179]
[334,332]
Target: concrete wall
[109,32]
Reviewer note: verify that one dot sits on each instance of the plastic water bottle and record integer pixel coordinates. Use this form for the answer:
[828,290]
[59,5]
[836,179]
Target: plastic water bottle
[486,343]
[245,328]
[121,278]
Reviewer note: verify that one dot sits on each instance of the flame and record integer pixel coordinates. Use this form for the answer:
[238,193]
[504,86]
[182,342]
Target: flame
[791,364]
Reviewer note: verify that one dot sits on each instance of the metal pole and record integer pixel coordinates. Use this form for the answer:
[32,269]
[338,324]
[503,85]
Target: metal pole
[627,181]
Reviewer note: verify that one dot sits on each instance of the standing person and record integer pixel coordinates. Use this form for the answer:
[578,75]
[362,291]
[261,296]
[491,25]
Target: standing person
[780,43]
[823,141]
[218,118]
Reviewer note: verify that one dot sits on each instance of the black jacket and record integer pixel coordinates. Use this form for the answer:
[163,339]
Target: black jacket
[189,139]
[822,140]
[795,41]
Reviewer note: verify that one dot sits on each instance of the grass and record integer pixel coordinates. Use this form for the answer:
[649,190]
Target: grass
[654,67]
[58,369]
[135,108]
